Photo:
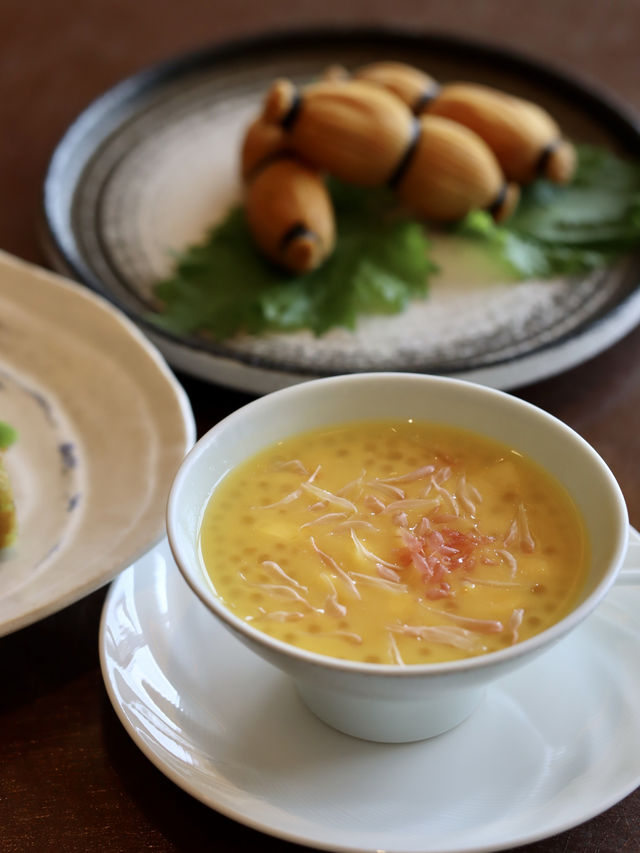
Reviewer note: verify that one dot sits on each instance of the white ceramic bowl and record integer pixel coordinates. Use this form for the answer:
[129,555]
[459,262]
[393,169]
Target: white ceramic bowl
[387,702]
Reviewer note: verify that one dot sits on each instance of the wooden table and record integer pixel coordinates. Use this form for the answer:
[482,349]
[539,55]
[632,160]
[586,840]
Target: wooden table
[70,777]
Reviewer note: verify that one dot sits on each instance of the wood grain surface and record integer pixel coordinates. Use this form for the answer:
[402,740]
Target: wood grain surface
[70,777]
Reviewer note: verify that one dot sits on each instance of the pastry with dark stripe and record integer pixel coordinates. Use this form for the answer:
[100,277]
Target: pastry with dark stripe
[288,208]
[367,136]
[525,139]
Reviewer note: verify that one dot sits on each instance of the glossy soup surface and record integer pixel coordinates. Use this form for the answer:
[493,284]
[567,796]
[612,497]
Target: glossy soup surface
[395,543]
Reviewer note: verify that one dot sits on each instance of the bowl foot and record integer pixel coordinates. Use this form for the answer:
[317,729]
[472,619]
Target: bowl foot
[391,720]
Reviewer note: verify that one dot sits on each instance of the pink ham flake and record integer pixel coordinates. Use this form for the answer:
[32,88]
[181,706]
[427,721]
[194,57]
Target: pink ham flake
[437,553]
[443,590]
[413,546]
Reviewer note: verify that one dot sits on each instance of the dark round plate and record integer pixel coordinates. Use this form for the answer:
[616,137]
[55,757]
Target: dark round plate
[152,164]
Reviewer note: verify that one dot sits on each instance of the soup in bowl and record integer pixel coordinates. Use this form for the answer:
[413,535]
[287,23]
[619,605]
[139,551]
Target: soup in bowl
[395,542]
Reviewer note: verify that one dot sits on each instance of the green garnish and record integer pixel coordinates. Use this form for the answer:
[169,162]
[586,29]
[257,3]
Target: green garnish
[8,525]
[224,285]
[8,435]
[381,260]
[568,230]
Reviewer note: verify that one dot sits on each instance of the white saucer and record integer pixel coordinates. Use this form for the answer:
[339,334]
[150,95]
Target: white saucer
[550,746]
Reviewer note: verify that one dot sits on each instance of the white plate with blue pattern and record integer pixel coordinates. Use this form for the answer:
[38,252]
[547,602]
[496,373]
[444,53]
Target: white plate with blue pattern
[102,428]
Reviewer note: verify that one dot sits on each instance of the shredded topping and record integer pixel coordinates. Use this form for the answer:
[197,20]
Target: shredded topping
[408,505]
[428,542]
[449,635]
[287,499]
[374,504]
[449,499]
[315,474]
[329,497]
[509,559]
[324,519]
[283,616]
[355,524]
[349,636]
[482,626]
[437,553]
[372,580]
[354,484]
[468,496]
[365,552]
[491,582]
[283,592]
[329,561]
[519,533]
[387,489]
[331,604]
[394,651]
[280,573]
[294,465]
[389,574]
[411,476]
[514,623]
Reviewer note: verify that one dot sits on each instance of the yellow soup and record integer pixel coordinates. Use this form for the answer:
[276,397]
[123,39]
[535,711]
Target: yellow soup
[395,543]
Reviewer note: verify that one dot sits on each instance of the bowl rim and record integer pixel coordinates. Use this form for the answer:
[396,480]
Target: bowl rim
[206,593]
